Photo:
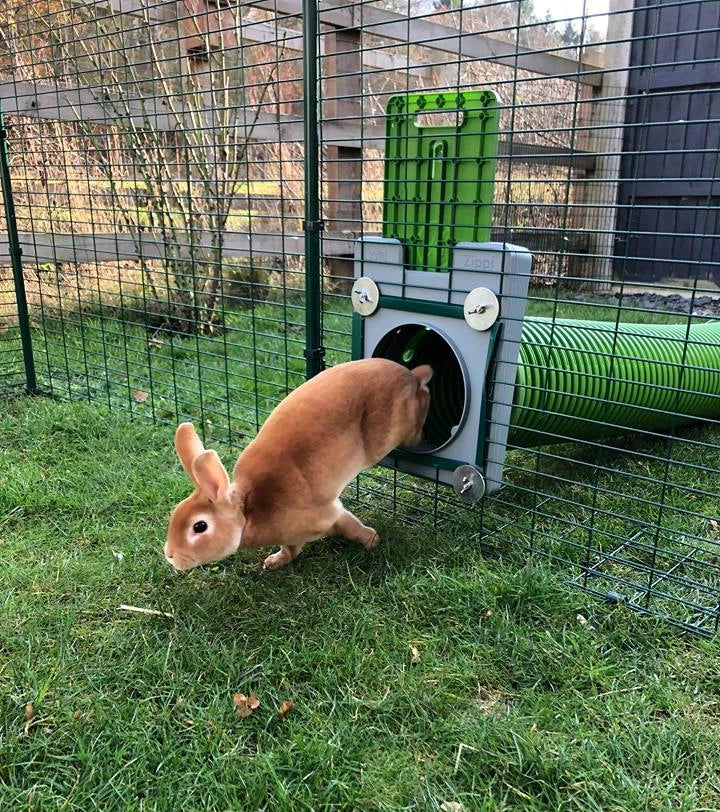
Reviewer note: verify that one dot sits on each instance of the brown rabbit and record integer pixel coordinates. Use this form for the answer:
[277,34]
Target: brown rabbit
[286,484]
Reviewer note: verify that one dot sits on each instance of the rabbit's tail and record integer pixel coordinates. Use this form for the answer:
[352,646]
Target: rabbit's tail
[423,374]
[420,403]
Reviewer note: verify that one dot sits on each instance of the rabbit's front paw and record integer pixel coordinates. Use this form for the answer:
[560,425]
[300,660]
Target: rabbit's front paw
[282,557]
[275,561]
[372,540]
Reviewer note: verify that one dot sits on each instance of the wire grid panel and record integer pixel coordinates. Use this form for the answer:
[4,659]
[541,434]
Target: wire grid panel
[11,359]
[11,370]
[613,458]
[157,170]
[157,166]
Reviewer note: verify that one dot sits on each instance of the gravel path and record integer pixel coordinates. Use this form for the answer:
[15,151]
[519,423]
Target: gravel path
[708,306]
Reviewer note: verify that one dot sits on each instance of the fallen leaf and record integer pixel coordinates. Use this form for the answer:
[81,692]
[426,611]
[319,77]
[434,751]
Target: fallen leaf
[285,708]
[77,714]
[583,621]
[156,342]
[241,705]
[451,806]
[486,614]
[714,525]
[245,705]
[139,396]
[415,659]
[30,718]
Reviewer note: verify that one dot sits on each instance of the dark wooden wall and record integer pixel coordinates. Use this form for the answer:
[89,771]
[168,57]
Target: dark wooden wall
[668,223]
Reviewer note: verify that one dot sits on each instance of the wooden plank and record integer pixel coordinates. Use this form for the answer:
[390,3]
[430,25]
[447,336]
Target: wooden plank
[43,247]
[521,152]
[47,248]
[596,209]
[343,90]
[672,77]
[410,30]
[543,240]
[261,32]
[67,102]
[64,102]
[429,34]
[154,10]
[378,58]
[649,189]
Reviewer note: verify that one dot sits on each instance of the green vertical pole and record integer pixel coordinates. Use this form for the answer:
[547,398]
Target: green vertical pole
[314,351]
[16,261]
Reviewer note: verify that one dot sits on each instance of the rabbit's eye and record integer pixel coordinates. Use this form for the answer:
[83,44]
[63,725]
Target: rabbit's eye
[199,527]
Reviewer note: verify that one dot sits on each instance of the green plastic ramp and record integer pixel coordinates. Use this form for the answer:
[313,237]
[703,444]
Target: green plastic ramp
[440,155]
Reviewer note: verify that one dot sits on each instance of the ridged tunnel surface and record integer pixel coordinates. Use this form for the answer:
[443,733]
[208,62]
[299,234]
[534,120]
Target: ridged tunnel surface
[416,344]
[586,379]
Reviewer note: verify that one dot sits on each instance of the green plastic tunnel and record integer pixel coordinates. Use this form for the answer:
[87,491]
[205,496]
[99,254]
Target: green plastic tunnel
[578,380]
[585,379]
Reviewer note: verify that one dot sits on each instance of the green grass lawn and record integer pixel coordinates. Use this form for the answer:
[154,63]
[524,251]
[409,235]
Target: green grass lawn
[229,381]
[525,696]
[576,502]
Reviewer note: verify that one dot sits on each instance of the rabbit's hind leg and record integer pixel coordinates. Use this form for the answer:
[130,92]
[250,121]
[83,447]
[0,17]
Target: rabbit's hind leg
[351,528]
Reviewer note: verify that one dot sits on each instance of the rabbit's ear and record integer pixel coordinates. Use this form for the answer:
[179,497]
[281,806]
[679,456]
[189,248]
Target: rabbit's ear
[210,475]
[189,447]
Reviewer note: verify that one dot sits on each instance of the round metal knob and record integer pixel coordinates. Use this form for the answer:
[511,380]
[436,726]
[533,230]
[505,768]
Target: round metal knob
[468,483]
[481,309]
[365,296]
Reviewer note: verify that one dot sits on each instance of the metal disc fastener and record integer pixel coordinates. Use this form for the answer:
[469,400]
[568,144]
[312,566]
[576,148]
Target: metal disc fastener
[365,296]
[481,308]
[469,483]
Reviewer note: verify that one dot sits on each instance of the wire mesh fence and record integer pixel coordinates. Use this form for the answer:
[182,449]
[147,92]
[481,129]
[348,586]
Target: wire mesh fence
[165,200]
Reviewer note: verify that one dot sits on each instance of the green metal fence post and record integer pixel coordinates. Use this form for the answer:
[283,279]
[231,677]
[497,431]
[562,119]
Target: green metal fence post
[16,261]
[314,351]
